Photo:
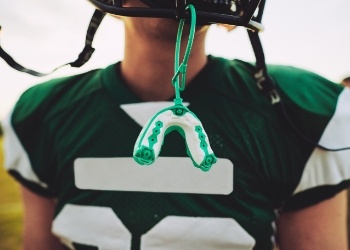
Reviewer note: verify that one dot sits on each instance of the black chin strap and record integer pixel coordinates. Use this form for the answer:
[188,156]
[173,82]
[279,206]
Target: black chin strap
[83,57]
[268,88]
[264,81]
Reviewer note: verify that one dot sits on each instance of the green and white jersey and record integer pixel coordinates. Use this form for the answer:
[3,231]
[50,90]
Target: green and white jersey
[72,139]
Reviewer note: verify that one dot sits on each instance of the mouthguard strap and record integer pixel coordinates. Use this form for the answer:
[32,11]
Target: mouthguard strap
[177,117]
[182,68]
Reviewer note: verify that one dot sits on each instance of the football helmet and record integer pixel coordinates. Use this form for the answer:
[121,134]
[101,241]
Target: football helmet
[234,12]
[247,13]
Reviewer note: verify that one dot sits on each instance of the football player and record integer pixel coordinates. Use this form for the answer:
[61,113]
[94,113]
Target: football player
[279,134]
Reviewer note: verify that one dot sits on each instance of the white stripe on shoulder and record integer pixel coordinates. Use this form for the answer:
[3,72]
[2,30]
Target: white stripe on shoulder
[16,157]
[337,133]
[325,168]
[330,167]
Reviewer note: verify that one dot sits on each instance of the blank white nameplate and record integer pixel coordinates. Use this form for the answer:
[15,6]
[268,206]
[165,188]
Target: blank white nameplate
[166,174]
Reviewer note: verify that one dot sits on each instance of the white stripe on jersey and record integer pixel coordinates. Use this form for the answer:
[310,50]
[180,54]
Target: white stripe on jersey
[101,227]
[188,233]
[167,174]
[330,167]
[16,157]
[337,132]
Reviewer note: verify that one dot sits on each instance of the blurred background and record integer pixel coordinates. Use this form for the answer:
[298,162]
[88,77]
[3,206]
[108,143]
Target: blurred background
[42,35]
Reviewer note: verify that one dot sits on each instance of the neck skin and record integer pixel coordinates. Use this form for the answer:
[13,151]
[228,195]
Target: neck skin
[148,64]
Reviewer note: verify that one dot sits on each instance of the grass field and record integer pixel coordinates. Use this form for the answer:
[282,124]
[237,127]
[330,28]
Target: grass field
[10,210]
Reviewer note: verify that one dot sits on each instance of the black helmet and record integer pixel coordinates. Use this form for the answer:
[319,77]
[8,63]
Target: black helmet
[235,12]
[247,13]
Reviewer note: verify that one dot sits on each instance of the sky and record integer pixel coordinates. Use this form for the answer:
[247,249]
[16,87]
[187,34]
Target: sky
[312,34]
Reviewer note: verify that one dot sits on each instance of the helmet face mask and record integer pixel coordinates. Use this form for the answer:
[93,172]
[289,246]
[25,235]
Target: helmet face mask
[234,12]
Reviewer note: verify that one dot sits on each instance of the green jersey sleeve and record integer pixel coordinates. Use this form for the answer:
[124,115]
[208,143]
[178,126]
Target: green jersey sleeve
[28,143]
[319,112]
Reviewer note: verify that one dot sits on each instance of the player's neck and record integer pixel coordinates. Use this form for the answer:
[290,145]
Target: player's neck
[148,66]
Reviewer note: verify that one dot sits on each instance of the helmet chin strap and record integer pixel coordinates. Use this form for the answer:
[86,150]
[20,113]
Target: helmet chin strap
[177,117]
[83,57]
[264,81]
[267,86]
[116,7]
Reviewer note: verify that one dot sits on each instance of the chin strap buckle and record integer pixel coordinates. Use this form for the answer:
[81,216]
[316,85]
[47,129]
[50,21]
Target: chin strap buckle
[267,86]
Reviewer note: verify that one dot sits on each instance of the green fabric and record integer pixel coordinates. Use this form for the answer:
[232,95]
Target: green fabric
[80,116]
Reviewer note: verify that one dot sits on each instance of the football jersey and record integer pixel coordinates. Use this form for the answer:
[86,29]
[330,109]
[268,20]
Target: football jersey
[72,139]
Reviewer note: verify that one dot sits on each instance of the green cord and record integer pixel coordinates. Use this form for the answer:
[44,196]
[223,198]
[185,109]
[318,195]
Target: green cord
[151,138]
[182,68]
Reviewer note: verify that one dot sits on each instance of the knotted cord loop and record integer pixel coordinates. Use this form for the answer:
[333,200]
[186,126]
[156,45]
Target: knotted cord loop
[182,68]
